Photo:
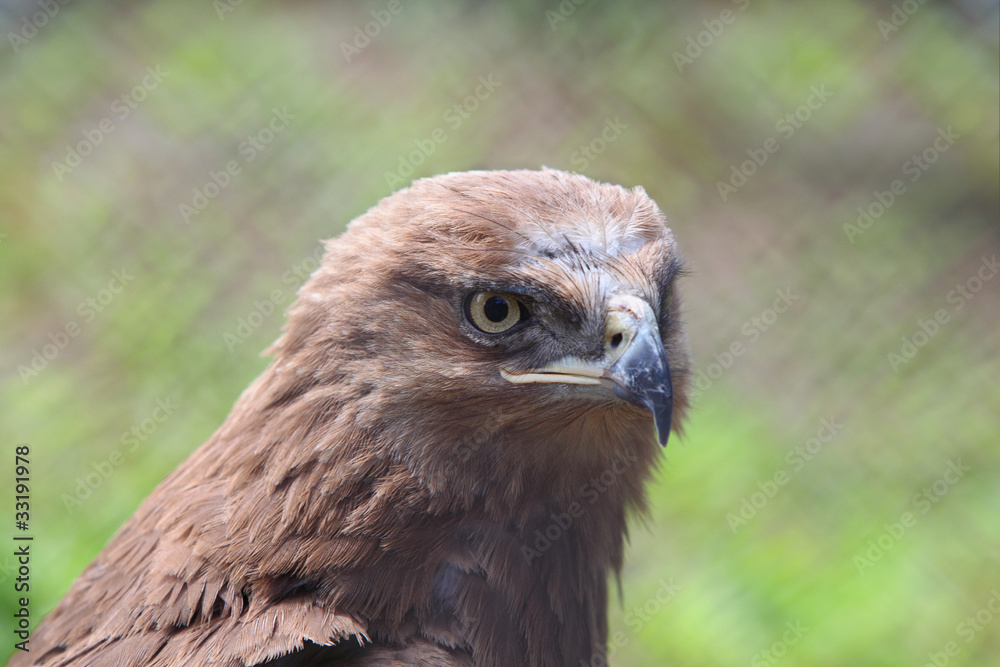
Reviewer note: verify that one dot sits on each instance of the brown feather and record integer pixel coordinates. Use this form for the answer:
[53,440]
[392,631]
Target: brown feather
[372,496]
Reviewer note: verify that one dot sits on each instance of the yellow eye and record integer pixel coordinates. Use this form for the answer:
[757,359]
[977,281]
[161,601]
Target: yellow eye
[495,313]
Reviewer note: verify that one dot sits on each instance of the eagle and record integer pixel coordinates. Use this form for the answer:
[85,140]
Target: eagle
[438,464]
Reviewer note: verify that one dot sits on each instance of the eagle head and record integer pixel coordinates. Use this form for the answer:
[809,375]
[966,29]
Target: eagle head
[494,324]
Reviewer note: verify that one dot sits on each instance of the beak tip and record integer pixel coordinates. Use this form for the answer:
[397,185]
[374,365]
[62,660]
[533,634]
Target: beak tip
[663,423]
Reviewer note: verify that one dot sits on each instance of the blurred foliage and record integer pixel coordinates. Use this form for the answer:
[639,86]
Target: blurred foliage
[170,96]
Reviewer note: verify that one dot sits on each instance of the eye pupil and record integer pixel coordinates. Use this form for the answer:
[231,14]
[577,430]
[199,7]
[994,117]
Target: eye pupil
[496,309]
[494,313]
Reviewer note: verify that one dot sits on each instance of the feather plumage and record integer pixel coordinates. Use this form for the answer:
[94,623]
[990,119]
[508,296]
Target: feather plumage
[381,495]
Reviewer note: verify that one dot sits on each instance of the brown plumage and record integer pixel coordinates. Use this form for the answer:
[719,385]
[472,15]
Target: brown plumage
[422,476]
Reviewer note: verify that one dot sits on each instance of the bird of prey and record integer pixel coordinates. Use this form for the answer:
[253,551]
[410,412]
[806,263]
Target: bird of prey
[436,467]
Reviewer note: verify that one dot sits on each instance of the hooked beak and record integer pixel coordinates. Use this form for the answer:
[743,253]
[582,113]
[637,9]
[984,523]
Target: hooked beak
[635,365]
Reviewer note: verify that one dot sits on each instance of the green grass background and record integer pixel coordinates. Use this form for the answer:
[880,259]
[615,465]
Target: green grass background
[696,591]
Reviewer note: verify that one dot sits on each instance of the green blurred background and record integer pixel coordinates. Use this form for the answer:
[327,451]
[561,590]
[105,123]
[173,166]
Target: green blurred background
[829,169]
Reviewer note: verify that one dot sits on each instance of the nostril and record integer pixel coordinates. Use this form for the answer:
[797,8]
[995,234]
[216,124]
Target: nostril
[616,340]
